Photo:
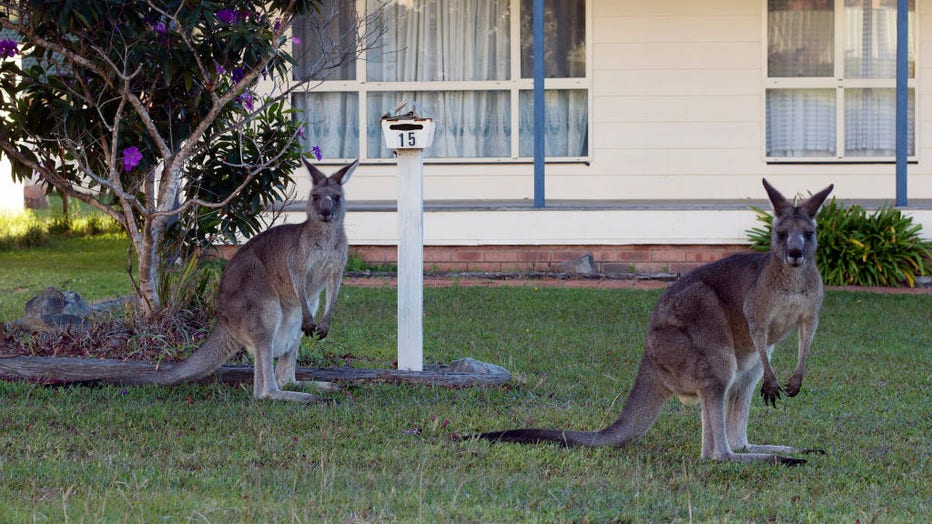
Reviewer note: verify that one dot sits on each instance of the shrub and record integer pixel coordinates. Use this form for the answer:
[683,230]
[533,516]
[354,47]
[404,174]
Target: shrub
[862,248]
[27,229]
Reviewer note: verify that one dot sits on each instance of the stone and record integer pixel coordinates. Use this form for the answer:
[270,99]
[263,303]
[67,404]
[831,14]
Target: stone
[584,265]
[55,310]
[471,365]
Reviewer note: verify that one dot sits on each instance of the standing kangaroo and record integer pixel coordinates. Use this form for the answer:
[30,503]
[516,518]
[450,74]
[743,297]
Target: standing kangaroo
[268,295]
[710,339]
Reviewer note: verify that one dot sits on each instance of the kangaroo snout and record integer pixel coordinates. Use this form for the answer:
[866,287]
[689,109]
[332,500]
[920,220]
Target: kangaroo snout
[325,209]
[795,254]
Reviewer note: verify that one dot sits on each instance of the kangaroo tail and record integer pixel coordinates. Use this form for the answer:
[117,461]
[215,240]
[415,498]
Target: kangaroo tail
[213,353]
[647,397]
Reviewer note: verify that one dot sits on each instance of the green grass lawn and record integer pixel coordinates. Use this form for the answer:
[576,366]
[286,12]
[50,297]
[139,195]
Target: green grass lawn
[387,453]
[95,267]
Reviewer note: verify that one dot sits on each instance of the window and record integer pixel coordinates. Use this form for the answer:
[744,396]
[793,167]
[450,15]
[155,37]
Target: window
[831,79]
[465,63]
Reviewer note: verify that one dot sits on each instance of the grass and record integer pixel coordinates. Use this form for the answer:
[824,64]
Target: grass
[94,266]
[387,453]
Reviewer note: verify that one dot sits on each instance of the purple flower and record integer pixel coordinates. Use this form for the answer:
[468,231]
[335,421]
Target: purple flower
[246,99]
[237,74]
[296,40]
[317,154]
[159,27]
[226,15]
[131,158]
[8,48]
[221,70]
[301,132]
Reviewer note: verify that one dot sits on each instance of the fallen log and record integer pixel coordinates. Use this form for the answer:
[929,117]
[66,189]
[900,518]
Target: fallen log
[67,370]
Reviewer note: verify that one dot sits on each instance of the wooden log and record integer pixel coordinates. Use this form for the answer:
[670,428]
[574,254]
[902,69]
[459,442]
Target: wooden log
[62,370]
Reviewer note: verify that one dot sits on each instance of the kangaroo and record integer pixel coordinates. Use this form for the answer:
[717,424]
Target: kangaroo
[710,338]
[268,295]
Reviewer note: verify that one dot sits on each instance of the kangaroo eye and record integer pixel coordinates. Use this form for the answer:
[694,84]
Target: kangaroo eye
[781,235]
[808,235]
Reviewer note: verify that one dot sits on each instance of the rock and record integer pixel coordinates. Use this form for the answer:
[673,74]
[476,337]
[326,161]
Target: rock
[55,310]
[471,365]
[584,265]
[923,281]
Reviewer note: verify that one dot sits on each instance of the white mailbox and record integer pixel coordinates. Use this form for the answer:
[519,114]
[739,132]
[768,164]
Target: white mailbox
[407,133]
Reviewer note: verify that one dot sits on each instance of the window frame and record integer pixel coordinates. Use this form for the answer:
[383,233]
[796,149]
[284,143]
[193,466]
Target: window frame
[514,86]
[839,83]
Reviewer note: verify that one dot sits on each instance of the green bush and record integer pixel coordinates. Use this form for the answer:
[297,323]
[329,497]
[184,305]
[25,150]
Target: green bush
[857,247]
[27,228]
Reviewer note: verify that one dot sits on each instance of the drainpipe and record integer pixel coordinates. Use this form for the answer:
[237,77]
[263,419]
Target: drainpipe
[539,114]
[902,97]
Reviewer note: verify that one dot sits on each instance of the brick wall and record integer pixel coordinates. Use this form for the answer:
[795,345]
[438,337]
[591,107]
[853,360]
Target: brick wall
[608,259]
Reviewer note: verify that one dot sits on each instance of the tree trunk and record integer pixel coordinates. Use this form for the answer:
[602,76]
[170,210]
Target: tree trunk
[147,255]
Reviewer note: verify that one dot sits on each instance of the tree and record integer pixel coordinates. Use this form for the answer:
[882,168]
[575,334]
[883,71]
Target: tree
[148,110]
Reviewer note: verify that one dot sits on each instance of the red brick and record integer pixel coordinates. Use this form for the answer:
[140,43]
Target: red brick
[467,255]
[534,255]
[663,254]
[439,254]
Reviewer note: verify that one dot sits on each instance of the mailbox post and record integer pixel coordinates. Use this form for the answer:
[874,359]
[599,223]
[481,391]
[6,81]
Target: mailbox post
[409,135]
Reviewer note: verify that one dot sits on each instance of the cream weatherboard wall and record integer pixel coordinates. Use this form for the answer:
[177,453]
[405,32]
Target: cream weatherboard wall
[676,113]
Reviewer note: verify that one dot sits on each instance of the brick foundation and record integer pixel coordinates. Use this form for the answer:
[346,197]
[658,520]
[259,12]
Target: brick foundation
[607,259]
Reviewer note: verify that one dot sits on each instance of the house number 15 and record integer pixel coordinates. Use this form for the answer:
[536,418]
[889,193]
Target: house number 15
[409,137]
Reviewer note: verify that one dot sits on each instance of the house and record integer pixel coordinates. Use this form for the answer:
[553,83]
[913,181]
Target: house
[662,118]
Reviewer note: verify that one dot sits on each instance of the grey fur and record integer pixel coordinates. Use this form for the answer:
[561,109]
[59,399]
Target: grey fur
[268,295]
[709,341]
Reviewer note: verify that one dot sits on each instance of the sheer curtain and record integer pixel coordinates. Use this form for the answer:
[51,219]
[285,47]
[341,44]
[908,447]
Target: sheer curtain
[331,122]
[870,52]
[567,124]
[445,40]
[801,123]
[566,111]
[801,40]
[322,42]
[800,43]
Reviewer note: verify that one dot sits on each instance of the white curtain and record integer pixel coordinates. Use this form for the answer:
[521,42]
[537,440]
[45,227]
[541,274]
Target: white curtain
[801,123]
[870,39]
[331,123]
[445,40]
[870,122]
[567,125]
[800,39]
[448,41]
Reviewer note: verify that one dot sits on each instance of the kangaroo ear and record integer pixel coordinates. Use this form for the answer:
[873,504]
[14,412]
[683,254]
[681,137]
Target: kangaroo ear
[815,201]
[778,201]
[343,175]
[317,176]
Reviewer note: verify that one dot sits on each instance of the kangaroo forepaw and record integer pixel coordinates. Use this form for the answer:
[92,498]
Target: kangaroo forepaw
[771,393]
[792,387]
[309,328]
[321,332]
